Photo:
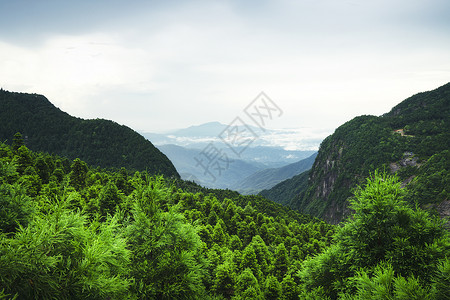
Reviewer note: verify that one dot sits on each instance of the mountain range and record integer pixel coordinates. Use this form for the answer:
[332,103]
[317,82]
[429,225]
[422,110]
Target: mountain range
[199,136]
[184,147]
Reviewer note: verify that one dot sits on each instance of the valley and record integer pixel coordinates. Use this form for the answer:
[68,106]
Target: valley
[260,166]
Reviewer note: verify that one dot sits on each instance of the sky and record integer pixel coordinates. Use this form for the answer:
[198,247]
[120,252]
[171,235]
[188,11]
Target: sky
[161,65]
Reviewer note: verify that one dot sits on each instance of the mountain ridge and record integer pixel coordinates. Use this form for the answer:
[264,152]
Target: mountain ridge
[99,142]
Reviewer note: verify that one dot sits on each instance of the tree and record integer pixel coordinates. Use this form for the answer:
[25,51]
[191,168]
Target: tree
[23,159]
[263,255]
[78,174]
[247,286]
[383,228]
[17,142]
[59,256]
[383,284]
[225,280]
[250,262]
[17,208]
[289,288]
[235,243]
[281,261]
[109,198]
[272,288]
[42,168]
[218,235]
[167,262]
[441,281]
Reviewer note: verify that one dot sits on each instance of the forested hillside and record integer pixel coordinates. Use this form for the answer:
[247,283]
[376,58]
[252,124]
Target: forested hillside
[70,231]
[412,140]
[98,142]
[286,191]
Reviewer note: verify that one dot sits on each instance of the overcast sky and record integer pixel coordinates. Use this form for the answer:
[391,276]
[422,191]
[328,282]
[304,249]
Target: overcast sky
[159,65]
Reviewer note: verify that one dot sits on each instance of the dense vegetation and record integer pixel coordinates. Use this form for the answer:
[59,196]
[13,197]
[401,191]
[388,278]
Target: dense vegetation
[386,250]
[98,142]
[366,143]
[71,231]
[68,231]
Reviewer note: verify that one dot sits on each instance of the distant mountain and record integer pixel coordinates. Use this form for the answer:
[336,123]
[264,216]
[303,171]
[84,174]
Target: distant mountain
[199,136]
[413,140]
[263,153]
[196,136]
[98,142]
[209,129]
[185,162]
[266,179]
[203,130]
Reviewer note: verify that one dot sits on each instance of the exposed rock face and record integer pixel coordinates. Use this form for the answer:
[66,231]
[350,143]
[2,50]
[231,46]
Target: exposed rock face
[444,209]
[408,160]
[326,172]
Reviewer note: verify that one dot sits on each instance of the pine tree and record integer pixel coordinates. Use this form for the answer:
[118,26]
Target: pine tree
[17,142]
[247,286]
[272,288]
[59,256]
[78,174]
[281,261]
[225,280]
[167,262]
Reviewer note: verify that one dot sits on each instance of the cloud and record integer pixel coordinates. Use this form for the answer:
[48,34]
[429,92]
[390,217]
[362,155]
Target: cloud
[70,69]
[157,65]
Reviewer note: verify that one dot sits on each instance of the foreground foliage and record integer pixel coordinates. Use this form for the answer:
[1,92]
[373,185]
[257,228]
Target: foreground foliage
[387,250]
[68,231]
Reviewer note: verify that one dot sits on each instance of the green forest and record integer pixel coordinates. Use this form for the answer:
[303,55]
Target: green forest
[72,231]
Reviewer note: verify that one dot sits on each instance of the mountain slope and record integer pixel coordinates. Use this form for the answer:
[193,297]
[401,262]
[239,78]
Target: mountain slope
[400,141]
[98,142]
[285,191]
[266,179]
